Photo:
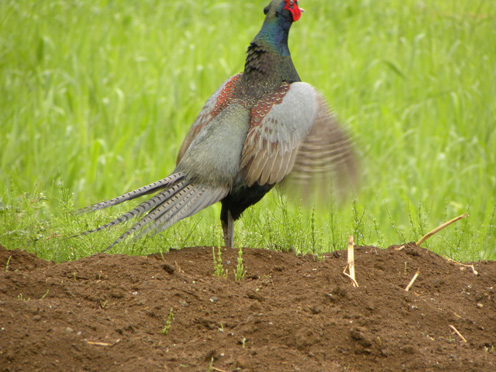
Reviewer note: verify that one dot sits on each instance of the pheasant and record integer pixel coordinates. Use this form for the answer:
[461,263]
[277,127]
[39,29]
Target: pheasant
[259,128]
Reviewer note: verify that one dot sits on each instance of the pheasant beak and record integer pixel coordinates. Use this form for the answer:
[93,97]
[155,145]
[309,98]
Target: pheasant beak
[301,9]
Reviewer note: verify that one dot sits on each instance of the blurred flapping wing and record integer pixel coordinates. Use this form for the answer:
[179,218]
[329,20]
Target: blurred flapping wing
[295,138]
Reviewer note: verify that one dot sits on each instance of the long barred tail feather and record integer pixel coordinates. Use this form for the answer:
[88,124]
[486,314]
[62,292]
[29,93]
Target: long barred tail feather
[145,190]
[141,208]
[183,203]
[177,198]
[203,196]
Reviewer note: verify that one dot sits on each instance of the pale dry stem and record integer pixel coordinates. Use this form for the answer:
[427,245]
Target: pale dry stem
[471,267]
[439,228]
[351,262]
[413,280]
[217,369]
[97,343]
[458,333]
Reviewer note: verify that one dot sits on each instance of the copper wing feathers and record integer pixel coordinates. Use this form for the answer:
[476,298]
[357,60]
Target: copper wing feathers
[294,137]
[213,107]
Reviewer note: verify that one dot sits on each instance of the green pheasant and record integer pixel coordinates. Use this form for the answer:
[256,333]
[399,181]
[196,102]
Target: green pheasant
[260,128]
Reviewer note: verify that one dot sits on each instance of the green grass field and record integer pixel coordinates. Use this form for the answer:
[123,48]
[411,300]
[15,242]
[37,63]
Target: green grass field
[96,97]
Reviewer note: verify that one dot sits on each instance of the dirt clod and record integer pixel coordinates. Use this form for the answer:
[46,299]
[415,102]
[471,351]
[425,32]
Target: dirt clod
[289,313]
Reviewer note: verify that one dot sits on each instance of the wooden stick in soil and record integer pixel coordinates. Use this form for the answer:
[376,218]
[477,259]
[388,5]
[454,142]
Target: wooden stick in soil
[471,267]
[458,333]
[217,369]
[351,261]
[413,280]
[98,343]
[439,228]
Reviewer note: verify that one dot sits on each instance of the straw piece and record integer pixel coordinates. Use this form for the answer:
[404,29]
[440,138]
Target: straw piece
[439,228]
[413,280]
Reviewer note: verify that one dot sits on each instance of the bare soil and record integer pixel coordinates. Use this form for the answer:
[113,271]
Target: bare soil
[289,313]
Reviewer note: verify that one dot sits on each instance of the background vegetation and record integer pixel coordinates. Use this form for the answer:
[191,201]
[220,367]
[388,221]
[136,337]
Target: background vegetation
[96,97]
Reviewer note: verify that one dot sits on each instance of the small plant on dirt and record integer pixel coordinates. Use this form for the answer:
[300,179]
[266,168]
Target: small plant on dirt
[7,264]
[211,365]
[103,304]
[168,323]
[218,268]
[20,297]
[240,271]
[46,294]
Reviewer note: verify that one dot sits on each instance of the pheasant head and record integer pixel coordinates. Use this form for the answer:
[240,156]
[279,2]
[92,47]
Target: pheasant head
[268,57]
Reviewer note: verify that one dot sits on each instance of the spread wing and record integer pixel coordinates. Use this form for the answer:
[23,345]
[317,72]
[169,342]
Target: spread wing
[294,137]
[213,107]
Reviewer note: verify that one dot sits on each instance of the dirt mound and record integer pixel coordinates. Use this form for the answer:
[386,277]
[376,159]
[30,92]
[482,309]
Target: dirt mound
[290,313]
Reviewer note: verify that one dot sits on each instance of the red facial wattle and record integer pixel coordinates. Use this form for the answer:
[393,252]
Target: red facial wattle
[292,6]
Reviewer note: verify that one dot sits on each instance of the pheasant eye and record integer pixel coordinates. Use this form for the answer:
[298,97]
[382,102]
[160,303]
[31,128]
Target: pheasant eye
[292,6]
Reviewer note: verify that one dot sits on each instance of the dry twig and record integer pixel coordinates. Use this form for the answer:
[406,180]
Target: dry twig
[413,280]
[97,343]
[439,228]
[471,267]
[351,261]
[217,369]
[458,333]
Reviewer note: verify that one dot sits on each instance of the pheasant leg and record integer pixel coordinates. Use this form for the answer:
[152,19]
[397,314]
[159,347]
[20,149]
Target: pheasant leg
[228,228]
